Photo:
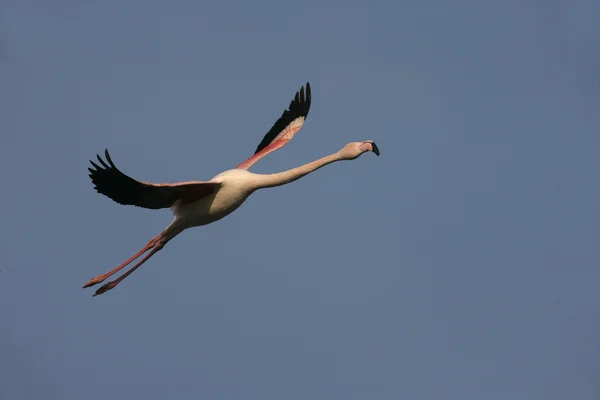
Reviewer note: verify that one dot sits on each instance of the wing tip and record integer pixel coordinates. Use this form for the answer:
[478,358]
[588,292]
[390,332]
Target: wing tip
[302,101]
[300,104]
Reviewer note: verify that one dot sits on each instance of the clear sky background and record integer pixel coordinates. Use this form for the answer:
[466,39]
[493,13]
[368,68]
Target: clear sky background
[461,264]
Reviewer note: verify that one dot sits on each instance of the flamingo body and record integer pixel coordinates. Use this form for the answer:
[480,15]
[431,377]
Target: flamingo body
[235,186]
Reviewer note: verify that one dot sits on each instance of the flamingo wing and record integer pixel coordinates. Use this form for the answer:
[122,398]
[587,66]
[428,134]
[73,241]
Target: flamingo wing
[284,129]
[117,186]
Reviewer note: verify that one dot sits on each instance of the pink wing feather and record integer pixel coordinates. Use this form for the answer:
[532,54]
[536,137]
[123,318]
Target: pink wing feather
[284,129]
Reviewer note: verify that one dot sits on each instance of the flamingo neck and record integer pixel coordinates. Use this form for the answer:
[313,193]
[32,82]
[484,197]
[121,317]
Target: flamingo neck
[282,178]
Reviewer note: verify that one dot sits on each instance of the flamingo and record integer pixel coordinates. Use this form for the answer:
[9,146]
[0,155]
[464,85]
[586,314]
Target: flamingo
[198,203]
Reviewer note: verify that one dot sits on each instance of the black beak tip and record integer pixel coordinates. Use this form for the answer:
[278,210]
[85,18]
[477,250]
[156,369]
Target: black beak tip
[375,149]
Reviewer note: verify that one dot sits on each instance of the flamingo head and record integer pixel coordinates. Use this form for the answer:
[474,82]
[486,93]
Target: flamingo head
[353,150]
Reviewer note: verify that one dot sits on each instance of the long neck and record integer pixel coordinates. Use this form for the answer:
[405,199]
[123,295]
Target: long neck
[281,178]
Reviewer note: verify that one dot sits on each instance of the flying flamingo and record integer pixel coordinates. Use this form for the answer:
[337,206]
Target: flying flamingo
[199,203]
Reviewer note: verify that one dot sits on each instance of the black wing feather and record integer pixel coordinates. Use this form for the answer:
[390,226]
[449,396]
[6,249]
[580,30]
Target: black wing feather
[299,107]
[114,184]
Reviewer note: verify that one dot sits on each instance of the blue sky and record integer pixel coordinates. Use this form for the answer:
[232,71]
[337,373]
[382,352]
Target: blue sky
[461,264]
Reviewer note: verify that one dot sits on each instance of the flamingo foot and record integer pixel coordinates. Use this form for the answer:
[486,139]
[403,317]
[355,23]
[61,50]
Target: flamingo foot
[106,287]
[94,281]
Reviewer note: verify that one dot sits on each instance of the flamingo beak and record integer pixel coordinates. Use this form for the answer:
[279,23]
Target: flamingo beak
[375,149]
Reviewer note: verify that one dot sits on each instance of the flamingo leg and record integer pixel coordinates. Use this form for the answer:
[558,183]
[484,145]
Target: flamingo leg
[107,286]
[101,278]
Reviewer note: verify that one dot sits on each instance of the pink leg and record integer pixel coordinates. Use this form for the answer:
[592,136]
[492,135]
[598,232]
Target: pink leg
[144,249]
[107,286]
